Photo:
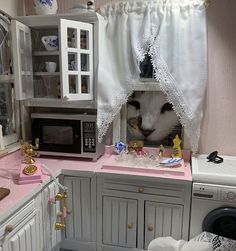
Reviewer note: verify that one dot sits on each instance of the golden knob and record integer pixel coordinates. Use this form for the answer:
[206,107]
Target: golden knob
[150,228]
[9,228]
[61,196]
[130,226]
[69,211]
[59,225]
[141,190]
[59,214]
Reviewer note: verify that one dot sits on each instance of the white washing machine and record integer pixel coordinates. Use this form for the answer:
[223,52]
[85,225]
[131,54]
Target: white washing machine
[213,197]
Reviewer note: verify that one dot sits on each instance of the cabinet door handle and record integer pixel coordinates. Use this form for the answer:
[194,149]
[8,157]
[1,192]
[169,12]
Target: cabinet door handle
[9,228]
[130,226]
[141,190]
[150,228]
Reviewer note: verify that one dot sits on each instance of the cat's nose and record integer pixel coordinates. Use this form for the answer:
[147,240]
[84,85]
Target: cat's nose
[146,133]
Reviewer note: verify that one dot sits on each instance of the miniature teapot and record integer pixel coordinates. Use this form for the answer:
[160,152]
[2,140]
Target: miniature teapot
[45,7]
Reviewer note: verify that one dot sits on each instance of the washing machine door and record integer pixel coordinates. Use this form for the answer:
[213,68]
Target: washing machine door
[221,221]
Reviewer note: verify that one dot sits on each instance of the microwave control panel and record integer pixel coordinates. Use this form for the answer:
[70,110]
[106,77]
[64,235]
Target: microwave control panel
[89,136]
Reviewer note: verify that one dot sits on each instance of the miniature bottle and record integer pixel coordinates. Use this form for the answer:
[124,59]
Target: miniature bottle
[176,151]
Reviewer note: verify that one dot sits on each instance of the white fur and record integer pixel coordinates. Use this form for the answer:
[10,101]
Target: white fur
[170,244]
[152,118]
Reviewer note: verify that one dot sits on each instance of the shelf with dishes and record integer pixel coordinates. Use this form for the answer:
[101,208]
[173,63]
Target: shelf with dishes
[46,53]
[46,73]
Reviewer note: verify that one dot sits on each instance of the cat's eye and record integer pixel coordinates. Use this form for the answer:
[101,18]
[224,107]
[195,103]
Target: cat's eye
[166,107]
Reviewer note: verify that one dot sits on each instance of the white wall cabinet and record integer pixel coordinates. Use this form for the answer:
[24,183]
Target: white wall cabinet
[76,58]
[131,213]
[80,233]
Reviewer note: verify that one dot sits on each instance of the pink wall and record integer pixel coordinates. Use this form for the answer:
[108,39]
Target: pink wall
[219,124]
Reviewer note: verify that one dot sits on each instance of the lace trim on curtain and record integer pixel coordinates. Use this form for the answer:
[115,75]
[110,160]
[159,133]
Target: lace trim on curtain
[169,85]
[107,114]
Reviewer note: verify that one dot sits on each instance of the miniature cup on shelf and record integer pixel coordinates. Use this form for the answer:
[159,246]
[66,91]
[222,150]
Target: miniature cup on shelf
[50,43]
[50,66]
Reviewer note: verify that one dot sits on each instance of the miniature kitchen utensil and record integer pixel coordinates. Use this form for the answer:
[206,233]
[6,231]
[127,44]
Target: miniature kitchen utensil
[50,42]
[30,170]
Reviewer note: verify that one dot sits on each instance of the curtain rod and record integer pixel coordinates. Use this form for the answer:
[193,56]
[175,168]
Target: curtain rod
[206,3]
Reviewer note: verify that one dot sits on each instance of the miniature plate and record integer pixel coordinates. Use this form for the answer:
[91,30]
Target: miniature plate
[171,162]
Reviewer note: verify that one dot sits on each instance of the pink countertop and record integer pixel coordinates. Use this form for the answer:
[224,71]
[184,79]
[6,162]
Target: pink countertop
[19,194]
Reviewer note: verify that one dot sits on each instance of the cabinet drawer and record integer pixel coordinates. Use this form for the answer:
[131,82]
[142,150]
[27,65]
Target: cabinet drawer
[17,218]
[152,188]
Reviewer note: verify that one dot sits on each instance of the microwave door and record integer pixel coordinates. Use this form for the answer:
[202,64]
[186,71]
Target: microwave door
[58,135]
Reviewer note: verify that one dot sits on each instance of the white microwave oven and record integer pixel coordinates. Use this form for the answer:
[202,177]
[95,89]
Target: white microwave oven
[72,135]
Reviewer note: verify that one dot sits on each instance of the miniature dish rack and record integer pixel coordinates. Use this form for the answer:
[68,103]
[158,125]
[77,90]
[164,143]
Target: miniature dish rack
[145,163]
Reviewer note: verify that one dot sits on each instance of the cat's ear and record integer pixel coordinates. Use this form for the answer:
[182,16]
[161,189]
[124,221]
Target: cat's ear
[134,103]
[166,107]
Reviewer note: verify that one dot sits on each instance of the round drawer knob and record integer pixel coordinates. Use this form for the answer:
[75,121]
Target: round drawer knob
[9,228]
[59,214]
[150,228]
[231,195]
[130,226]
[68,210]
[60,226]
[141,190]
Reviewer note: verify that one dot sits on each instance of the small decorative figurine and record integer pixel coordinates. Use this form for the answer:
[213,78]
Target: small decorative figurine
[120,147]
[161,152]
[176,151]
[136,145]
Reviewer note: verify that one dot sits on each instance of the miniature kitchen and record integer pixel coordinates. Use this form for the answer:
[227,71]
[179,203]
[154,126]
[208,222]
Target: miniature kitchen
[112,135]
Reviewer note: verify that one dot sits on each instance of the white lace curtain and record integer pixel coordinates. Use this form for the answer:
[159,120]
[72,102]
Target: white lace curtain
[173,33]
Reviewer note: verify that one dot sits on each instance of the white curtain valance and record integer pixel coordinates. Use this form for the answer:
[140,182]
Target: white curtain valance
[173,33]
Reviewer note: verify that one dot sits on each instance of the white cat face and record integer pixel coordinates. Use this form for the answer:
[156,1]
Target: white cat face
[150,116]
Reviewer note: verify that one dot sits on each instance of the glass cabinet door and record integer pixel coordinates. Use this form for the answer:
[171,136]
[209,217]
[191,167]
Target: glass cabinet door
[22,58]
[76,60]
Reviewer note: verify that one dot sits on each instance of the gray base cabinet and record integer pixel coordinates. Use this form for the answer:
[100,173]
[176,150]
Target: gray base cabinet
[22,231]
[119,221]
[51,237]
[162,219]
[108,214]
[80,233]
[131,213]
